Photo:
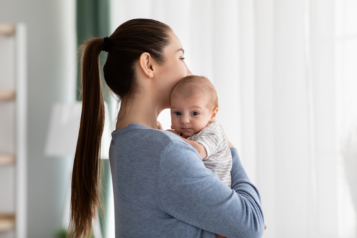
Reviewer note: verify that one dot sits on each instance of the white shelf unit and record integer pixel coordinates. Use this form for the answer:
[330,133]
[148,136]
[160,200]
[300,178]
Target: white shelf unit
[13,117]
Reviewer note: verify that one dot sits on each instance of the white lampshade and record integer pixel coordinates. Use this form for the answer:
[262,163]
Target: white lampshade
[64,127]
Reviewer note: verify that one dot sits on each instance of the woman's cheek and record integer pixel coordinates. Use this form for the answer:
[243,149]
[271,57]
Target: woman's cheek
[184,70]
[181,70]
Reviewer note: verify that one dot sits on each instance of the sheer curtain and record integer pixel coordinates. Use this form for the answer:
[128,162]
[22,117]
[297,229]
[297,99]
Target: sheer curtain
[284,72]
[346,78]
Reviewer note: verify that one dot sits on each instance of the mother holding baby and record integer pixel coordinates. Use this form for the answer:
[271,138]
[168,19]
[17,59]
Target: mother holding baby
[161,187]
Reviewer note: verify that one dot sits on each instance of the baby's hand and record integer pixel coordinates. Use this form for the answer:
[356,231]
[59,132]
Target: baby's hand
[173,131]
[159,126]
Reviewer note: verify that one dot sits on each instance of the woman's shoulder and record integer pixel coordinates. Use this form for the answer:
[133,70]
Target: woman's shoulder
[140,137]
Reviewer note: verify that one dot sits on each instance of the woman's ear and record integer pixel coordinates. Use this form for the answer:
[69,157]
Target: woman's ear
[214,114]
[146,63]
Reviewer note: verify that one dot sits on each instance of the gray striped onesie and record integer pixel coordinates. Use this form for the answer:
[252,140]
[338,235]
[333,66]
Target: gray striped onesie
[219,157]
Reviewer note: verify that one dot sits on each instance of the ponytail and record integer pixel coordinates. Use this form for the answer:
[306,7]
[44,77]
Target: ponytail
[86,166]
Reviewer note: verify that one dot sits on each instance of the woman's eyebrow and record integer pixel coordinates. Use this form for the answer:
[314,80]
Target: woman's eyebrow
[183,51]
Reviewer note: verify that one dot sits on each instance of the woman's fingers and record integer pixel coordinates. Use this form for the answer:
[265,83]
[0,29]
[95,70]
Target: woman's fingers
[219,236]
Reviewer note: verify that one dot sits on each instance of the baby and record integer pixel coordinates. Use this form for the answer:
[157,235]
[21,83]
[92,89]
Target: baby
[194,106]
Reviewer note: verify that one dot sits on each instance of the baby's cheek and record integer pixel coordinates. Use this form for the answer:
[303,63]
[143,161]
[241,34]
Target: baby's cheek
[175,125]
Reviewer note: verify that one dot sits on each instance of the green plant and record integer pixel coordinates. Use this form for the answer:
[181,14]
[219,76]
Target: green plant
[62,233]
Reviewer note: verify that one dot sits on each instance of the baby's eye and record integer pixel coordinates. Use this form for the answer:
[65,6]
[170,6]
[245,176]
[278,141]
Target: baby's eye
[195,113]
[177,113]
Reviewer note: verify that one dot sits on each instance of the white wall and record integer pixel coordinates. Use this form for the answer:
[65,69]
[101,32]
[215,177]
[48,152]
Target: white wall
[51,78]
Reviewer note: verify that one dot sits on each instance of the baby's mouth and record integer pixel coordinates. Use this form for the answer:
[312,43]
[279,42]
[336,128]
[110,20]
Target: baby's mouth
[187,132]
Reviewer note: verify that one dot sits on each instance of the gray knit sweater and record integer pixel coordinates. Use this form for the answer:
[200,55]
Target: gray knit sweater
[162,189]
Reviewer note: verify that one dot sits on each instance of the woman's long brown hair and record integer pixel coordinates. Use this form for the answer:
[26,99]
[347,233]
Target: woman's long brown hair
[86,176]
[127,43]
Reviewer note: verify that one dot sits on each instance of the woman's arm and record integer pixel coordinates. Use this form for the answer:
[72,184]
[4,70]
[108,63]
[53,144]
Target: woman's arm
[195,195]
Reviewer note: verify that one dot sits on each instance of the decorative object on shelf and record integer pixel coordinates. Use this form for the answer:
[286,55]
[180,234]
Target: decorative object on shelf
[64,127]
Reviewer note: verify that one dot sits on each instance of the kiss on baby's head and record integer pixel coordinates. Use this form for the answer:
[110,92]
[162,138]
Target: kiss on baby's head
[194,104]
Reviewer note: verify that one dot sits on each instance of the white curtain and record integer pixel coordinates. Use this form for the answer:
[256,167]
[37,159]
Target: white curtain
[346,84]
[285,73]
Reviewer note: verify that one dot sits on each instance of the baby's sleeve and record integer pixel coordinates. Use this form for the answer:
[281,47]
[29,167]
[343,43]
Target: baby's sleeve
[210,139]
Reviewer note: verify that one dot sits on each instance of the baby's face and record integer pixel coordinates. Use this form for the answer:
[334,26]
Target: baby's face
[190,115]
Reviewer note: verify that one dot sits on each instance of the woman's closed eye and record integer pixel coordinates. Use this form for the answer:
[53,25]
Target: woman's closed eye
[182,58]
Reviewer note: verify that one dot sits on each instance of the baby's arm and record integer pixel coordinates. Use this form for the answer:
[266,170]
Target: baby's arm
[197,146]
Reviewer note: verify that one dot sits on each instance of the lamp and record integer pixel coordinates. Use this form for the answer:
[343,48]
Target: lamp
[62,141]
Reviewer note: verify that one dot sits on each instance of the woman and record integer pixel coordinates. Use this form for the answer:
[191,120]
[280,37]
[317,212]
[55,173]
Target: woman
[161,187]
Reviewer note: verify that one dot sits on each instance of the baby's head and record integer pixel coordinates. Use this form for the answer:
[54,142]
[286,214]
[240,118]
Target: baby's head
[194,104]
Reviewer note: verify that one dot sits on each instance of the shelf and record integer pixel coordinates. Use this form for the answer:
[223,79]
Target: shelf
[7,29]
[7,222]
[7,159]
[7,95]
[13,127]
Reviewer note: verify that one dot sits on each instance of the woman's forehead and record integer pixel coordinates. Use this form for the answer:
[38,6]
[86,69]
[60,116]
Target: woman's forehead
[174,44]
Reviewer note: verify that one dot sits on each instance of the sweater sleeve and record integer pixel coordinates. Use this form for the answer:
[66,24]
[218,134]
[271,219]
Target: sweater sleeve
[195,195]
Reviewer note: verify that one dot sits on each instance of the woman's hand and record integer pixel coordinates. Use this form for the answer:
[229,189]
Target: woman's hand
[230,145]
[219,236]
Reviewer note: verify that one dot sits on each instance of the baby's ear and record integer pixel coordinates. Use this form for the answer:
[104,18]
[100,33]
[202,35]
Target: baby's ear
[214,114]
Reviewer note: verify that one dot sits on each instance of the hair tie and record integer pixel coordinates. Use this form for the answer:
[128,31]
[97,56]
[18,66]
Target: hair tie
[106,44]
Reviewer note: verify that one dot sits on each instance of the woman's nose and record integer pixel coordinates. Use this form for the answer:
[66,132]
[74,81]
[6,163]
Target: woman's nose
[188,71]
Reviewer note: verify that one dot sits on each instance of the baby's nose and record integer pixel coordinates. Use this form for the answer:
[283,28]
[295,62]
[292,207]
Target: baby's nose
[185,119]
